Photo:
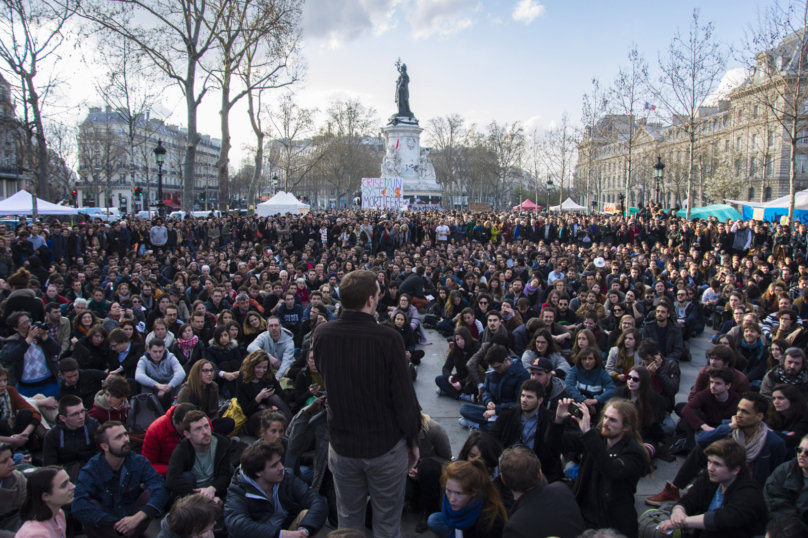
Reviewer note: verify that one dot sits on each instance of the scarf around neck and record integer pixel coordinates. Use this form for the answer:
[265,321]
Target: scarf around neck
[462,519]
[753,445]
[187,345]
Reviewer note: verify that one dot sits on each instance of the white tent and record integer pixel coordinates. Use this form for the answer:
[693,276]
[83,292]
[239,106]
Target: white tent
[22,204]
[280,204]
[800,201]
[568,205]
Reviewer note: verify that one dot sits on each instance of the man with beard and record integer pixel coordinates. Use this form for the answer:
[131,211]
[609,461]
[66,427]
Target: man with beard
[792,371]
[612,464]
[118,492]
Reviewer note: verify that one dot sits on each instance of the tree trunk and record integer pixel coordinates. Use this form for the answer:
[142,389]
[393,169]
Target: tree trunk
[792,174]
[42,146]
[259,149]
[690,173]
[222,163]
[189,163]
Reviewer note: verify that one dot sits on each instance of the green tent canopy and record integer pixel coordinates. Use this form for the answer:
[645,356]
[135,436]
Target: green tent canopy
[720,211]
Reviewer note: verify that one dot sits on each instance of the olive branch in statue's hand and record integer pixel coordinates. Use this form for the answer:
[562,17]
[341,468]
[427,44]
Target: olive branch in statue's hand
[398,65]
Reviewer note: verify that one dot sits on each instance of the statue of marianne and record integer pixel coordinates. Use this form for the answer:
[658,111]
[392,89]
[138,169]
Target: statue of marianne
[403,91]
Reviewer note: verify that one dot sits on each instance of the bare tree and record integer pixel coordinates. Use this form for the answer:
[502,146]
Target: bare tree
[347,155]
[102,155]
[534,162]
[560,152]
[63,157]
[625,98]
[449,138]
[595,107]
[174,37]
[32,34]
[690,71]
[265,32]
[294,152]
[774,49]
[506,144]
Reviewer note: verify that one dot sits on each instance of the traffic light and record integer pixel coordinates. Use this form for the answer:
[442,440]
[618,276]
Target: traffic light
[75,196]
[202,197]
[138,191]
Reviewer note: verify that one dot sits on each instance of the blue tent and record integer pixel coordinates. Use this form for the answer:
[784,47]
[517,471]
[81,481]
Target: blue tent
[721,211]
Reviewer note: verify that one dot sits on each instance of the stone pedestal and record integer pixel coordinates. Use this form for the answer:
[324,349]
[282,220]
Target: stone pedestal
[405,158]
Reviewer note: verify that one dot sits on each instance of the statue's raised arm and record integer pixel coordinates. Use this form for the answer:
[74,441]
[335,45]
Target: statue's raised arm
[403,91]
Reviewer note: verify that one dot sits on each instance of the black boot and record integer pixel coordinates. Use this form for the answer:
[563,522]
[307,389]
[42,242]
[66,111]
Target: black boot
[421,526]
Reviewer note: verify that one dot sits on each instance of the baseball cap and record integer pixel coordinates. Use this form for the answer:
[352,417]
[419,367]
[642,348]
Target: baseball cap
[542,363]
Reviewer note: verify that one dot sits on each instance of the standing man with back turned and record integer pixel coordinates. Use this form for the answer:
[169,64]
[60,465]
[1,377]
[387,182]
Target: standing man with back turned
[373,413]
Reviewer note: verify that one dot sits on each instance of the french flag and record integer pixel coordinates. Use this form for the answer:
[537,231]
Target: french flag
[649,106]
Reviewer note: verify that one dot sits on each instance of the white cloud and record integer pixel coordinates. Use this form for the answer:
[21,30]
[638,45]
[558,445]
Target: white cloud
[441,17]
[346,20]
[732,80]
[532,124]
[527,10]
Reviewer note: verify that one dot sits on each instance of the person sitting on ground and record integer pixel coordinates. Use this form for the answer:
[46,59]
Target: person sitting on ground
[786,490]
[501,388]
[720,356]
[258,390]
[665,333]
[541,510]
[264,499]
[48,490]
[710,407]
[112,401]
[160,372]
[765,450]
[194,516]
[188,348]
[110,504]
[71,442]
[788,415]
[34,355]
[12,492]
[554,389]
[724,501]
[163,435]
[754,351]
[82,383]
[792,370]
[278,343]
[403,327]
[527,425]
[457,386]
[200,390]
[588,382]
[471,505]
[543,345]
[18,418]
[201,461]
[423,481]
[650,407]
[623,356]
[124,354]
[613,462]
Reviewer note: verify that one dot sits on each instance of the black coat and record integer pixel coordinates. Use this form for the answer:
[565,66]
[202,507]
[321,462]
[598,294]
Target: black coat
[543,512]
[88,385]
[248,391]
[614,472]
[198,353]
[452,363]
[88,356]
[508,430]
[183,459]
[743,515]
[129,364]
[25,301]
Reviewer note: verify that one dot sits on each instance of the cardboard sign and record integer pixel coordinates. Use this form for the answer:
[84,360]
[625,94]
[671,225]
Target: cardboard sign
[479,207]
[382,193]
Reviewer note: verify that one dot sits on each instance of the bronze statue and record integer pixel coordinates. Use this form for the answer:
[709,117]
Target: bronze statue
[403,90]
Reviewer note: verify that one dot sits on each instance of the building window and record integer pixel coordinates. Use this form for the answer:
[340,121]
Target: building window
[771,138]
[751,193]
[738,167]
[770,167]
[752,166]
[740,116]
[802,138]
[754,141]
[802,164]
[725,121]
[756,111]
[726,145]
[768,194]
[738,144]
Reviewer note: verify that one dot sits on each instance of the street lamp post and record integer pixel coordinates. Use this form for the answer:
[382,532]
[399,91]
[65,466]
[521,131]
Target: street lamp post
[549,184]
[594,206]
[659,173]
[622,199]
[159,156]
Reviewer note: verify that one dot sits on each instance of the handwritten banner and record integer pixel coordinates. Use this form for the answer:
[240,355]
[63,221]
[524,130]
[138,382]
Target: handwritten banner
[382,193]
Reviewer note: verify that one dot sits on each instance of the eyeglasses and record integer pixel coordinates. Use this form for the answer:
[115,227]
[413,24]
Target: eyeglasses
[483,302]
[800,450]
[634,377]
[208,370]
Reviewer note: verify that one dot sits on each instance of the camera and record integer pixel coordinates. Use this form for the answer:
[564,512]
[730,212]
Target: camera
[40,325]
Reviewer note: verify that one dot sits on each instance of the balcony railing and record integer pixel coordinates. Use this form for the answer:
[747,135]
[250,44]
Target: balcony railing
[9,171]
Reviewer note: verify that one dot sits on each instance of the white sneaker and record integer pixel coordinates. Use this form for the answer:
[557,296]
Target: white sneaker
[438,391]
[463,422]
[467,397]
[469,424]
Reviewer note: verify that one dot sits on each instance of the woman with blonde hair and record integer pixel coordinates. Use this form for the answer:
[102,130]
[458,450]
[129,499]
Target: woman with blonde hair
[471,504]
[258,390]
[201,390]
[254,325]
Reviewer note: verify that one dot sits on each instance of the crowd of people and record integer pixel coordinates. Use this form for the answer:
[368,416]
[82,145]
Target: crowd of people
[254,376]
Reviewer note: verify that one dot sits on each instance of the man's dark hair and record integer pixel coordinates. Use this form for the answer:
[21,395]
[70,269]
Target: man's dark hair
[255,457]
[729,450]
[180,410]
[722,373]
[520,467]
[531,385]
[758,400]
[14,319]
[723,353]
[157,342]
[420,270]
[648,348]
[496,354]
[191,515]
[117,386]
[101,431]
[191,417]
[494,313]
[785,527]
[355,289]
[68,364]
[51,307]
[71,400]
[118,336]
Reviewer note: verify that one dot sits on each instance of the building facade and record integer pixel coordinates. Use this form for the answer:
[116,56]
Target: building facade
[11,169]
[114,160]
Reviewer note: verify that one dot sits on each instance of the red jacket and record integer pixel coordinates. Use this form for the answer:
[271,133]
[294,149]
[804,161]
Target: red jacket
[160,441]
[101,412]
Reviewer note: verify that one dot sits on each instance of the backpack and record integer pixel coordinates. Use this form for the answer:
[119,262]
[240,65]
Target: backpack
[650,520]
[145,409]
